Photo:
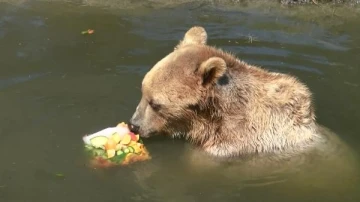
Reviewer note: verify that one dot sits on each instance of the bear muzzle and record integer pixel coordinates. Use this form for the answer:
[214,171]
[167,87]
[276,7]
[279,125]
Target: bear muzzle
[133,127]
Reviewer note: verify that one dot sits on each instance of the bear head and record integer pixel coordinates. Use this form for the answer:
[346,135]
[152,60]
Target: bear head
[178,88]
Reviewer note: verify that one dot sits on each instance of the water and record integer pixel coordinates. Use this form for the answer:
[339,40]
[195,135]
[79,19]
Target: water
[57,85]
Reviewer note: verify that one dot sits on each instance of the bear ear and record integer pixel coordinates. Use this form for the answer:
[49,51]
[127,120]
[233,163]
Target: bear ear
[195,35]
[211,70]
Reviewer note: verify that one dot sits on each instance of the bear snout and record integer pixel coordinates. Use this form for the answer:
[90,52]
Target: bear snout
[133,127]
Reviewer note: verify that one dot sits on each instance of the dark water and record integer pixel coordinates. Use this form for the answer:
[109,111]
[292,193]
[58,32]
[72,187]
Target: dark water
[57,85]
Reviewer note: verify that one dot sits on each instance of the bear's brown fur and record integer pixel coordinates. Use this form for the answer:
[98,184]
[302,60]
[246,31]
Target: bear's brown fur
[265,121]
[224,105]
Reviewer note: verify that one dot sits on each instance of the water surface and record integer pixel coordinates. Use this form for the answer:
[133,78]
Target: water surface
[57,85]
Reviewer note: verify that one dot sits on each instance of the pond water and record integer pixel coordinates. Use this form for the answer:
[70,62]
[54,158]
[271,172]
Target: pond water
[57,85]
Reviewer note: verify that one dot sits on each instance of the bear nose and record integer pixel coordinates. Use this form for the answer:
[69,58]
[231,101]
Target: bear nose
[134,128]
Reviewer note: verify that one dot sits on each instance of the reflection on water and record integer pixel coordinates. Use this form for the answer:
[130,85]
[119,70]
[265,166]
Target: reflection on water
[57,85]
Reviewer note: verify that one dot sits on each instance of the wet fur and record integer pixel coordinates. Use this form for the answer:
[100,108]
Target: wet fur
[230,109]
[255,112]
[244,120]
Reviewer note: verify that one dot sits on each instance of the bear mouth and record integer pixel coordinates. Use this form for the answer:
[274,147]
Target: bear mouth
[148,134]
[158,134]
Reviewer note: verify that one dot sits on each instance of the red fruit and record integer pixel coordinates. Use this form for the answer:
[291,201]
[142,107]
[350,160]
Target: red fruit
[133,136]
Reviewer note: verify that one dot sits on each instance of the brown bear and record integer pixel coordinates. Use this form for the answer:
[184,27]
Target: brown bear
[229,108]
[224,105]
[233,110]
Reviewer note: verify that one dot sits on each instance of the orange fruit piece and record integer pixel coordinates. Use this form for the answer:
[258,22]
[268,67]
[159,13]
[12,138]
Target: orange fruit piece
[116,137]
[110,153]
[110,144]
[132,143]
[126,139]
[122,124]
[137,148]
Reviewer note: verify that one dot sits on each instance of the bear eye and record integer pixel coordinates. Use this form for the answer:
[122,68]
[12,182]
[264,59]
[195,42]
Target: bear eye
[154,106]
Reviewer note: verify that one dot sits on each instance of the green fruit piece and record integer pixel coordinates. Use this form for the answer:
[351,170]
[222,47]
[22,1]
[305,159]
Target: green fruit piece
[99,152]
[118,153]
[126,151]
[98,141]
[89,147]
[118,158]
[131,149]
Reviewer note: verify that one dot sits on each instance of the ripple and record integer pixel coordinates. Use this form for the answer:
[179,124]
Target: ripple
[37,22]
[122,69]
[235,26]
[5,83]
[280,64]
